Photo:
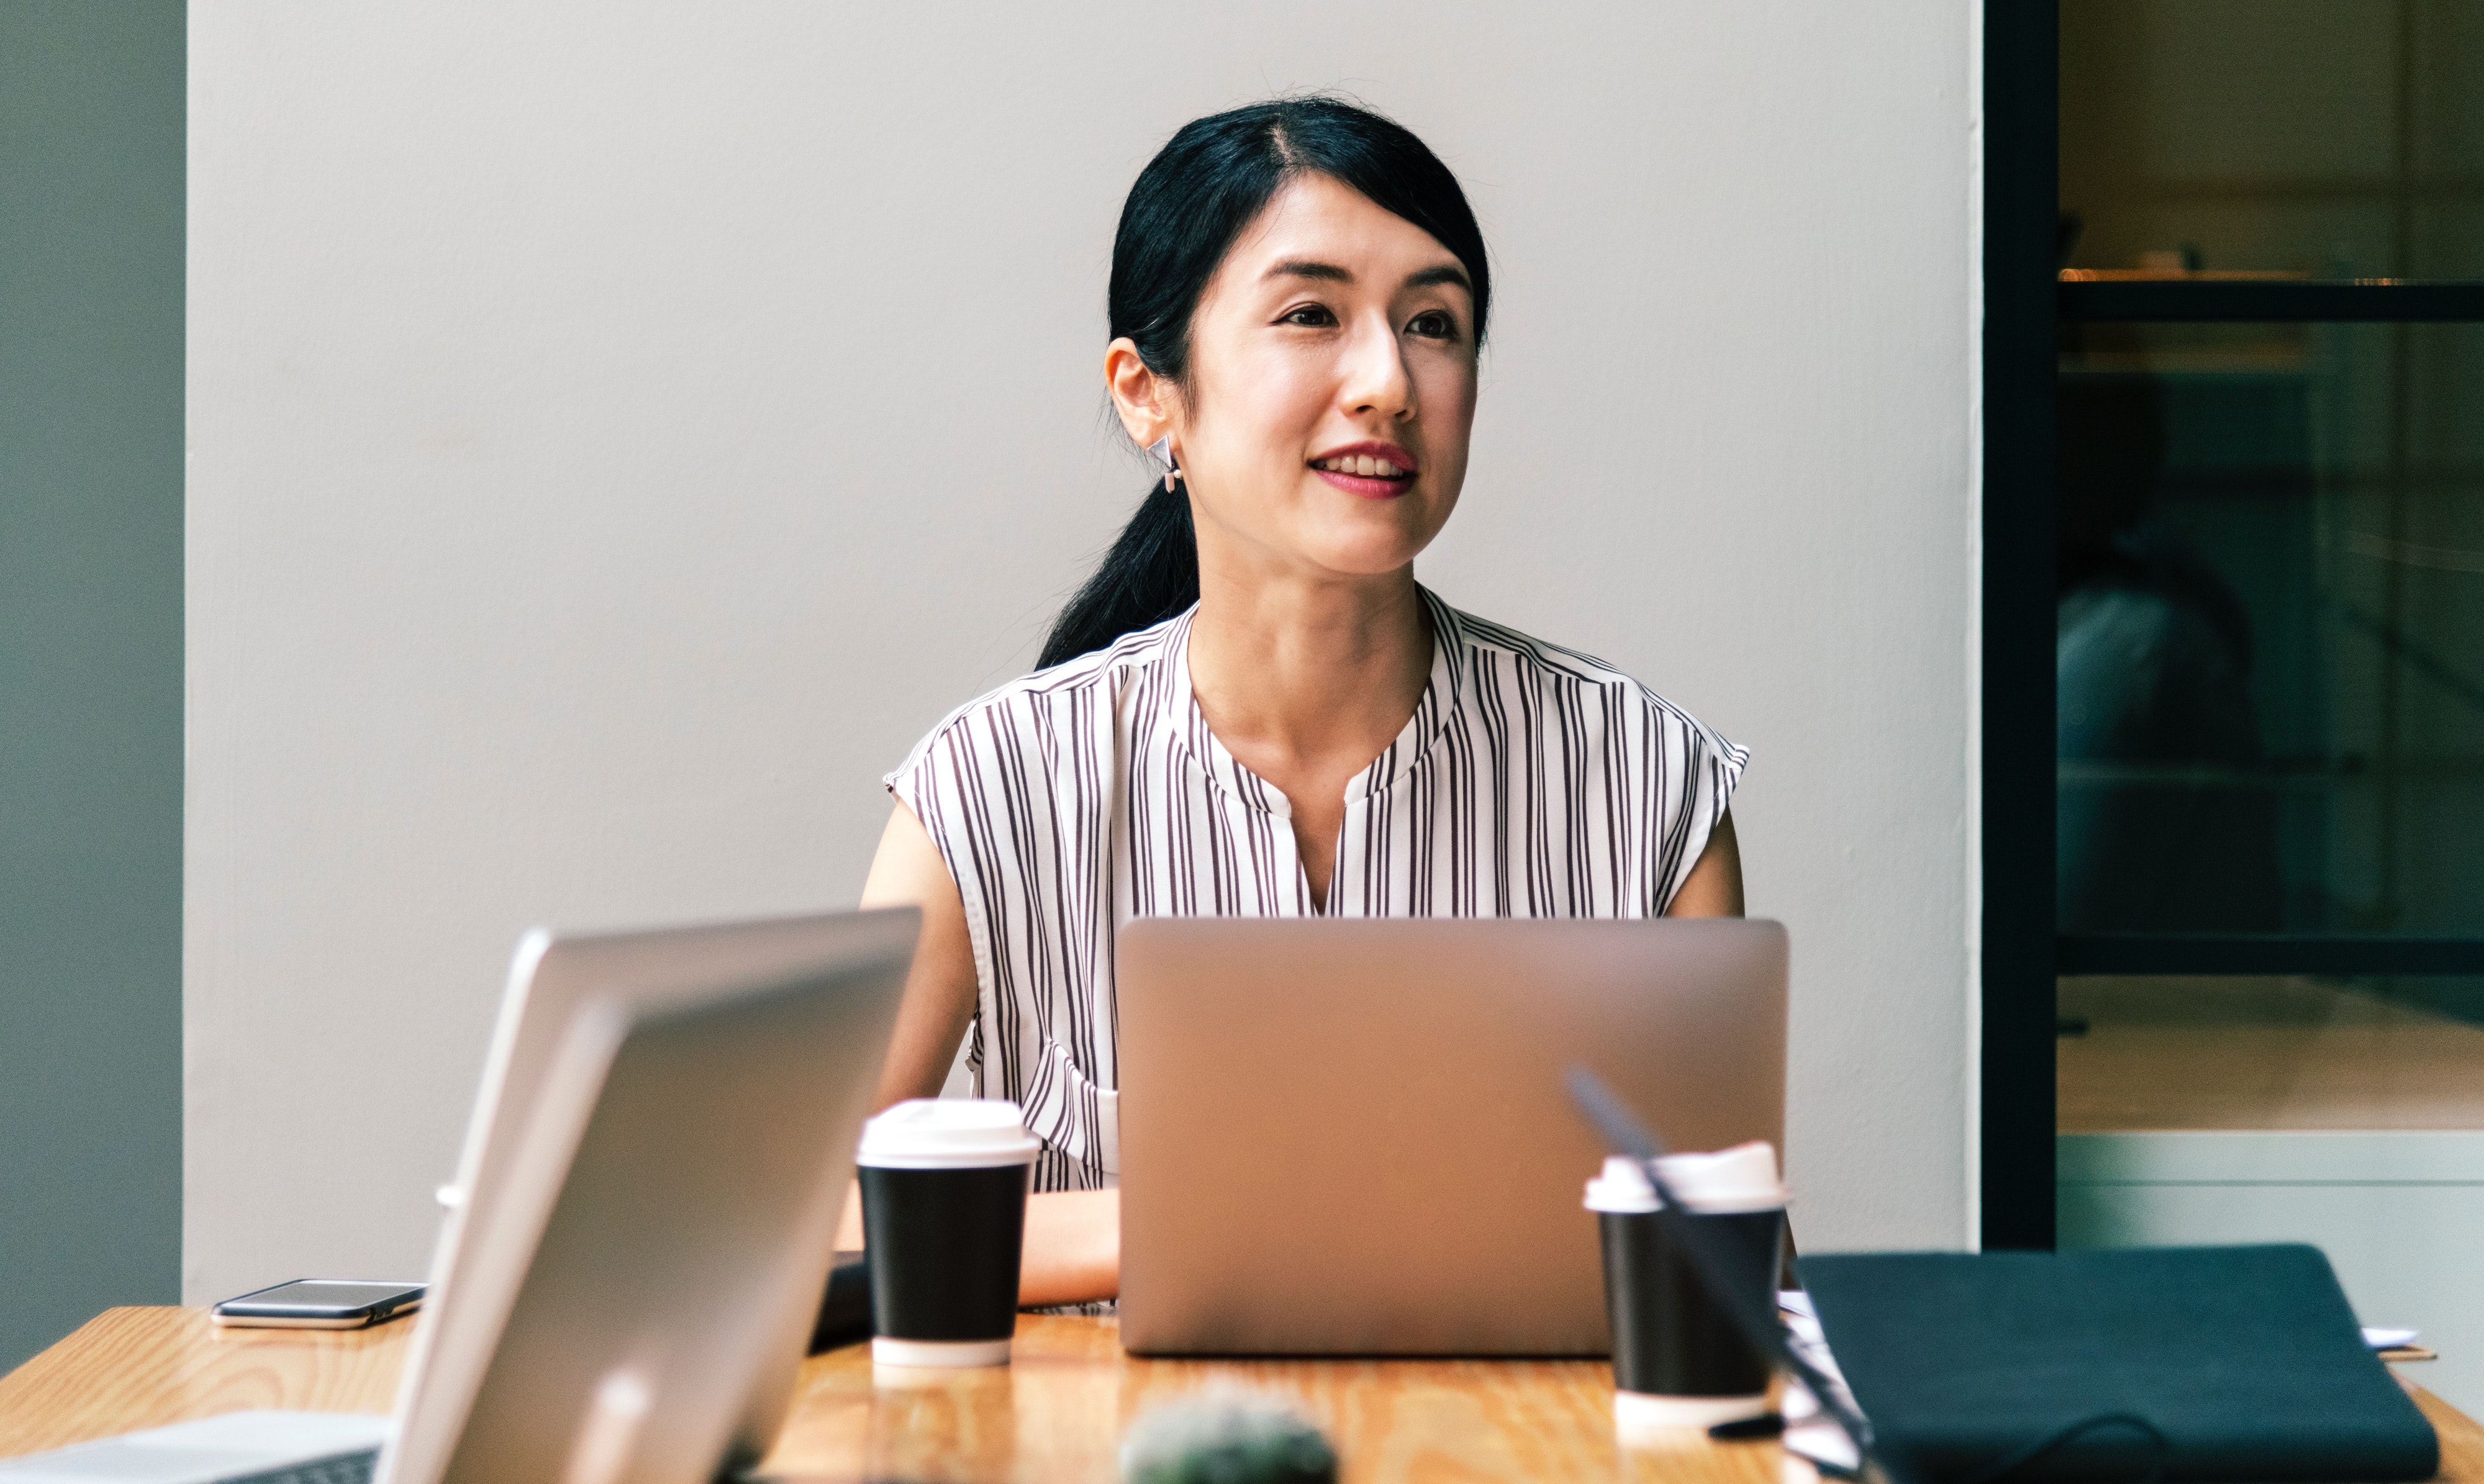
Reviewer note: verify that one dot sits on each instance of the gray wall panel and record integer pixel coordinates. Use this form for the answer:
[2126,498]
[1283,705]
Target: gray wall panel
[91,280]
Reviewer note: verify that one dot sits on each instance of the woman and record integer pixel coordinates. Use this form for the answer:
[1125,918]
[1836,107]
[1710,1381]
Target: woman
[1252,709]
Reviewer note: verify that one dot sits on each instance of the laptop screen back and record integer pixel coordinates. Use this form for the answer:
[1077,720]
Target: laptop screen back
[626,1297]
[1352,1136]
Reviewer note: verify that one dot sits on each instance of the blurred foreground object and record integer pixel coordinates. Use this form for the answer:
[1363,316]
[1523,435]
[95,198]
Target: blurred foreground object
[1226,1436]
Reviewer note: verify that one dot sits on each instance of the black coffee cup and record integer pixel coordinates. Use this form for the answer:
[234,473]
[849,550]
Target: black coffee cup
[1679,1360]
[944,1183]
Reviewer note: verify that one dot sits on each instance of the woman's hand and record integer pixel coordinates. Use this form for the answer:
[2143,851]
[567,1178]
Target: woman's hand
[1073,1247]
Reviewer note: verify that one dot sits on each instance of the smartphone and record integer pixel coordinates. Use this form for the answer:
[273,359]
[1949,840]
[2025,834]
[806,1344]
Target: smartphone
[319,1303]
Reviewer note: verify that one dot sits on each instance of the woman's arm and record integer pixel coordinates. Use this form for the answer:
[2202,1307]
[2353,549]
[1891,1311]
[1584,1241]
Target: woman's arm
[940,988]
[1715,886]
[1073,1247]
[1073,1238]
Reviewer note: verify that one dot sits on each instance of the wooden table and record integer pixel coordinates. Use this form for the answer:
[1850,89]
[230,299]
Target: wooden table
[1056,1413]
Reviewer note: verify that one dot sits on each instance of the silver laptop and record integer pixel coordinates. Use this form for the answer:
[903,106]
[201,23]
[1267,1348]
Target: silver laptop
[645,1210]
[1351,1137]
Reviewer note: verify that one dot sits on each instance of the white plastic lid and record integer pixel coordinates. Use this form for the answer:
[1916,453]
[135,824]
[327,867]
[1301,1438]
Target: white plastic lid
[948,1133]
[1725,1183]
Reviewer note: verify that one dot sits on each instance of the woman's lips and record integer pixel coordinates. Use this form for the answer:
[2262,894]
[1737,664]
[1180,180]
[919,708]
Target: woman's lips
[1371,471]
[1367,486]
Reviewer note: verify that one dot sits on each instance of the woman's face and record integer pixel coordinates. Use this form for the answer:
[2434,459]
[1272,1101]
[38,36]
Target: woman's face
[1332,388]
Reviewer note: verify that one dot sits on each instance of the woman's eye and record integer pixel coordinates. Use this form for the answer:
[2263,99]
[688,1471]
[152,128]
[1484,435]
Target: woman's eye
[1434,325]
[1312,314]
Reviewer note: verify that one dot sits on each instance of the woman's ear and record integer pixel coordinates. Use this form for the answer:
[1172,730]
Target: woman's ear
[1142,398]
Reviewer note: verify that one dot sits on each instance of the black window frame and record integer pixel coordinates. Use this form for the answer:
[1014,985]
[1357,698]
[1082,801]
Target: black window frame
[2022,954]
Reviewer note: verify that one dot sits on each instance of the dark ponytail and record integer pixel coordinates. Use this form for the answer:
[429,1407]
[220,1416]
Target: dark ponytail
[1182,216]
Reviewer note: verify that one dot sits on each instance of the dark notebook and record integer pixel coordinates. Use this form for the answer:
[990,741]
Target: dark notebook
[2246,1360]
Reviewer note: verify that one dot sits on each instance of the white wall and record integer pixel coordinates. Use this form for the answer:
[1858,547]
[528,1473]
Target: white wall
[616,432]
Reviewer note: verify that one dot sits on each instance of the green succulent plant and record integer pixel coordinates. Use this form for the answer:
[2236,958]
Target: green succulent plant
[1226,1436]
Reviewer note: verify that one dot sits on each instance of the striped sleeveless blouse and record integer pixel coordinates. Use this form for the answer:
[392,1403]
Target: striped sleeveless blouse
[1532,781]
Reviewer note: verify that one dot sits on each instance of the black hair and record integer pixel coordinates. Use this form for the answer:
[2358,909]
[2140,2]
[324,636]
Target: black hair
[1206,184]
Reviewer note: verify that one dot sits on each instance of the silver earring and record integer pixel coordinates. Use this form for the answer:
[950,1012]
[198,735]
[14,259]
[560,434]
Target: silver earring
[1162,449]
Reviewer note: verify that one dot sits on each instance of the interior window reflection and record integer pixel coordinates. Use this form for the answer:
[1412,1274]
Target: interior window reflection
[2163,822]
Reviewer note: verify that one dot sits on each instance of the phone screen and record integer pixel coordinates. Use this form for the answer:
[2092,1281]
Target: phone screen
[322,1295]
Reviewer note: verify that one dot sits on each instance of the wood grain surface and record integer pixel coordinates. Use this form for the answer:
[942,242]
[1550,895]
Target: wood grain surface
[1056,1413]
[127,1368]
[1059,1411]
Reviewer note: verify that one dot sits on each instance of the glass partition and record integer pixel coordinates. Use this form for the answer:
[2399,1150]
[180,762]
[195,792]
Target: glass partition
[2324,139]
[2270,644]
[2268,687]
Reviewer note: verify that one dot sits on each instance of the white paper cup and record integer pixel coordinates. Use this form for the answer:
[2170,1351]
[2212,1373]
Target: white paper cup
[1680,1361]
[944,1184]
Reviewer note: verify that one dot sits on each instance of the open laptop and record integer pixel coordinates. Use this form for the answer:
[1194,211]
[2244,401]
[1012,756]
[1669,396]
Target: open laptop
[646,1206]
[1352,1136]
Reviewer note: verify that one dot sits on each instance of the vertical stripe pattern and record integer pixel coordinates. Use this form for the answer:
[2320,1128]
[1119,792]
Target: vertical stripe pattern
[1532,781]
